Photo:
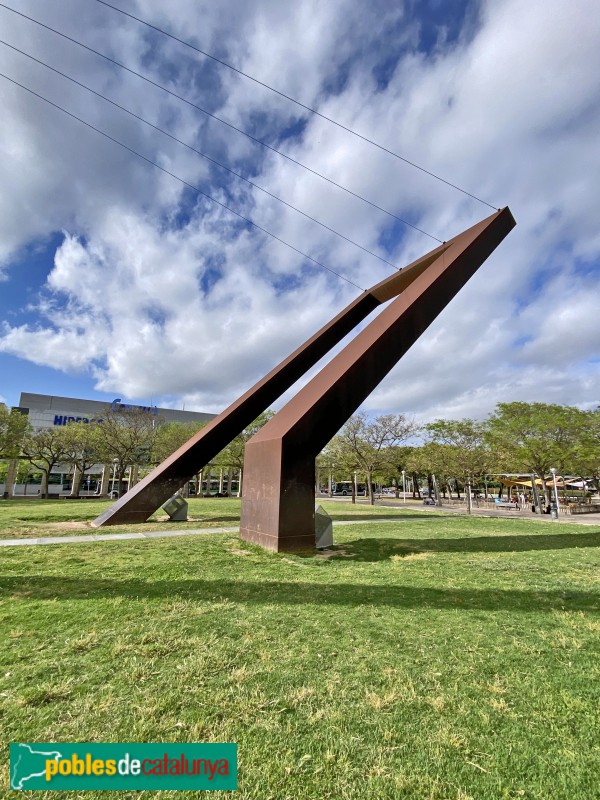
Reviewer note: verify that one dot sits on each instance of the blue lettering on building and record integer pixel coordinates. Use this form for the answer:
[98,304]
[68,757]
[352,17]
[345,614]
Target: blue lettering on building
[63,419]
[117,405]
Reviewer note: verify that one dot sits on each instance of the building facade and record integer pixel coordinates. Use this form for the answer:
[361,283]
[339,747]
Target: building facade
[50,411]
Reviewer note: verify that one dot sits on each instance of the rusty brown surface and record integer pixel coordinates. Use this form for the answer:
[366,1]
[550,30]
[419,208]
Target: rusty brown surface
[152,491]
[279,463]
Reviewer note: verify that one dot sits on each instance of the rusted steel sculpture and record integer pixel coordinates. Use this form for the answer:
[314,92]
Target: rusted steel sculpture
[279,462]
[151,492]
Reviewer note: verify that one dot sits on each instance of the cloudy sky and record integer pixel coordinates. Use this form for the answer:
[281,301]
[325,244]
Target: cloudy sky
[118,279]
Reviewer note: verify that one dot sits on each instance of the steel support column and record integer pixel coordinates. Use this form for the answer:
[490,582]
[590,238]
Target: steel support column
[279,464]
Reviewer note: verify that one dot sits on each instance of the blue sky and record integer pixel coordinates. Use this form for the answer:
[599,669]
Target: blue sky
[118,281]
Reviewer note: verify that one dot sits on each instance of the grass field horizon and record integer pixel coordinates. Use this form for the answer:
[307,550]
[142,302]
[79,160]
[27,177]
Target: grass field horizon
[436,657]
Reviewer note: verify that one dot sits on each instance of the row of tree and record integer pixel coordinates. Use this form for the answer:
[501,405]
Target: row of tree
[518,437]
[126,439]
[531,438]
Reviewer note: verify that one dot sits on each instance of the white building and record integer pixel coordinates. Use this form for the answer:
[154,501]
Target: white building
[48,411]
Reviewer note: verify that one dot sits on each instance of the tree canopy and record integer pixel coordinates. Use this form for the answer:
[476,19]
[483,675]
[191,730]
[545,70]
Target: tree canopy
[364,445]
[13,427]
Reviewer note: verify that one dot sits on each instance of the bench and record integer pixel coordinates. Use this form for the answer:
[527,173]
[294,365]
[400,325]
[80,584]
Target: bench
[506,505]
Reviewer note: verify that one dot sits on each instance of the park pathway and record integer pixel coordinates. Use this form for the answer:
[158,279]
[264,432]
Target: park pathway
[112,537]
[426,512]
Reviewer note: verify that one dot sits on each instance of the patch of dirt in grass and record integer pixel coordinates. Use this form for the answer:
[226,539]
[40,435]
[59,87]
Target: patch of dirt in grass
[237,552]
[67,526]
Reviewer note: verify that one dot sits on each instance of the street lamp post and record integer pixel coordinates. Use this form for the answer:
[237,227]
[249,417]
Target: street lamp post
[403,486]
[555,506]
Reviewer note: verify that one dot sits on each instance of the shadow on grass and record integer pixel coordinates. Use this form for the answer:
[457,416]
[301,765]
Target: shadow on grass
[383,549]
[244,592]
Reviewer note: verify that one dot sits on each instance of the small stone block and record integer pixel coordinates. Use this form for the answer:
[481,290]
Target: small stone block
[177,508]
[323,528]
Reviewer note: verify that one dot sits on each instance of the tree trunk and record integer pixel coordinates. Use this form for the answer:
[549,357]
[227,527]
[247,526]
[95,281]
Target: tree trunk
[104,480]
[44,486]
[370,489]
[430,485]
[536,495]
[546,491]
[436,491]
[11,474]
[416,490]
[75,482]
[120,476]
[241,477]
[469,506]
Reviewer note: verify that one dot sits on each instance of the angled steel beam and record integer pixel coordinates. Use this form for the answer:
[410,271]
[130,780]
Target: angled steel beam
[279,462]
[152,491]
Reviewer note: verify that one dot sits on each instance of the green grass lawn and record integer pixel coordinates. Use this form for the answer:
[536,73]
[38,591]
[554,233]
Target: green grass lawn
[23,519]
[436,657]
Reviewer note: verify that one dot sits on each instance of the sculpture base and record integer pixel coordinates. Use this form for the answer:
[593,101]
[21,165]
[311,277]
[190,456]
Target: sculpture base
[278,511]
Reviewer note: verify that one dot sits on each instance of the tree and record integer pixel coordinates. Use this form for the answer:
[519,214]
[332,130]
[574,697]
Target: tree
[324,463]
[418,465]
[125,437]
[44,449]
[586,455]
[534,437]
[233,454]
[343,461]
[81,450]
[13,427]
[365,443]
[396,462]
[459,450]
[170,436]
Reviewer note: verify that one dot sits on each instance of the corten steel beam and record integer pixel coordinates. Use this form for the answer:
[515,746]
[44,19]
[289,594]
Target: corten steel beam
[279,462]
[153,490]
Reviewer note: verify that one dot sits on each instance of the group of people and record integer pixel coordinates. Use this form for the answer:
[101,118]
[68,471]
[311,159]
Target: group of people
[521,499]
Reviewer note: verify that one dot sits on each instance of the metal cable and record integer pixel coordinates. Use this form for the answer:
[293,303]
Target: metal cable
[296,102]
[221,120]
[181,180]
[198,152]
